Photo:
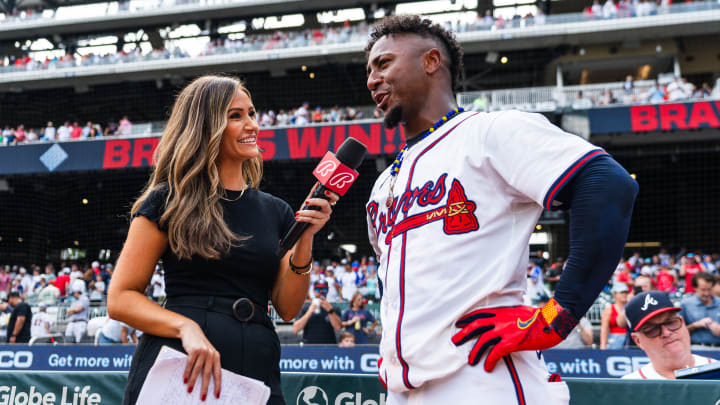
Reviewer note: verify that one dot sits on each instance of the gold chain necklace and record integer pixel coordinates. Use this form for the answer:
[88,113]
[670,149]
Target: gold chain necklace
[237,198]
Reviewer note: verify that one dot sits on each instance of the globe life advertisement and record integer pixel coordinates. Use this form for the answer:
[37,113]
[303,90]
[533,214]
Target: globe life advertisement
[78,395]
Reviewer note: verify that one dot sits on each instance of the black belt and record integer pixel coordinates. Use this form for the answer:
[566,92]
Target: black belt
[242,309]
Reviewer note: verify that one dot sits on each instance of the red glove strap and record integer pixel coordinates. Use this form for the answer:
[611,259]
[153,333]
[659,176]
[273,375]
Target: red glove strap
[560,319]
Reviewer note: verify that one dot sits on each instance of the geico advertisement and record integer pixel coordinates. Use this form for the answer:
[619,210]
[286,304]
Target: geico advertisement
[314,395]
[77,395]
[66,358]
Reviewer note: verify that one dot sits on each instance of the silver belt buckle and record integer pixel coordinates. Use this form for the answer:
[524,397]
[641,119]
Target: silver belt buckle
[240,302]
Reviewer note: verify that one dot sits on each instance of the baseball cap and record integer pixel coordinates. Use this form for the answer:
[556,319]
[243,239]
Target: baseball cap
[42,305]
[65,270]
[22,270]
[320,284]
[14,294]
[619,288]
[355,264]
[95,264]
[343,261]
[646,305]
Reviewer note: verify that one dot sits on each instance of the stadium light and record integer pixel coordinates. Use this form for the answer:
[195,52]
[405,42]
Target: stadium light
[633,176]
[85,201]
[350,248]
[504,60]
[303,68]
[538,227]
[20,239]
[312,75]
[539,238]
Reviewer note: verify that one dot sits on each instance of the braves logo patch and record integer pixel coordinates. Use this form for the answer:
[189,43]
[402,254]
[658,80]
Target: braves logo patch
[458,215]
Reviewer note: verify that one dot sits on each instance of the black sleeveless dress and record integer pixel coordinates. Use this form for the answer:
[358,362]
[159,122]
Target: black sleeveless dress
[251,349]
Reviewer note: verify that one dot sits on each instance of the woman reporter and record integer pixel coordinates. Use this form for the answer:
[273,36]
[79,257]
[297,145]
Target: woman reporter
[217,235]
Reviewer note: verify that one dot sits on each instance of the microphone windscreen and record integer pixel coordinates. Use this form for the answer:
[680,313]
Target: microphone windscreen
[351,153]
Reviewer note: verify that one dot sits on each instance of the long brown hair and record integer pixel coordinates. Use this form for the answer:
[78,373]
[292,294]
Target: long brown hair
[186,163]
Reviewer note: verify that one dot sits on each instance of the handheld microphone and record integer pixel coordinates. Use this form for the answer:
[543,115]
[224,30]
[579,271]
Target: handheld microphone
[335,173]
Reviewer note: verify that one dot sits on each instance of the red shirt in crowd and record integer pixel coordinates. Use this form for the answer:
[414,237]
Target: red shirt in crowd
[76,132]
[665,280]
[690,271]
[61,282]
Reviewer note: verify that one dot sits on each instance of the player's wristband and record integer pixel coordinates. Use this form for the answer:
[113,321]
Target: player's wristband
[558,318]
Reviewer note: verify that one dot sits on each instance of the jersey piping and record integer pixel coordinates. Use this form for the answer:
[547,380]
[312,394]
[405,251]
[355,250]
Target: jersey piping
[568,174]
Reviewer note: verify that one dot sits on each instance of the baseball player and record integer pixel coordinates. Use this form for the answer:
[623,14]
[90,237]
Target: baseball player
[451,220]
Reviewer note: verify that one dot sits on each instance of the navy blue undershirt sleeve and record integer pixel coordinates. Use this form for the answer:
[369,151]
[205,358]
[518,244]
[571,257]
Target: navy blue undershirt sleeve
[601,198]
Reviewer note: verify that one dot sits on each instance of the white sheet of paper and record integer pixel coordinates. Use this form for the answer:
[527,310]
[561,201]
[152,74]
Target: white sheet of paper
[164,385]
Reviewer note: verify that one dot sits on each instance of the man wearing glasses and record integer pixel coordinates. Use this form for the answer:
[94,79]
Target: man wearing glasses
[318,319]
[661,333]
[701,313]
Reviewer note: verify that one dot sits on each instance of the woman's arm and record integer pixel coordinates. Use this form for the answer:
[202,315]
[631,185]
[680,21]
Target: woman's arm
[127,303]
[604,327]
[586,334]
[288,293]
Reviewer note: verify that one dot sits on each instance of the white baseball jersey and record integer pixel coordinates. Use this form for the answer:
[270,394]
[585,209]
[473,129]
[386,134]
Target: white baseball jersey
[466,201]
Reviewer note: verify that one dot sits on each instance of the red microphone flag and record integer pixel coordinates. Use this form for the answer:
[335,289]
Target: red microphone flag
[334,175]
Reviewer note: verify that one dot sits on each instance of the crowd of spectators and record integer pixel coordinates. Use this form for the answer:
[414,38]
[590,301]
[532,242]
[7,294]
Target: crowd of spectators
[691,279]
[342,301]
[75,288]
[679,89]
[304,115]
[328,35]
[16,135]
[349,282]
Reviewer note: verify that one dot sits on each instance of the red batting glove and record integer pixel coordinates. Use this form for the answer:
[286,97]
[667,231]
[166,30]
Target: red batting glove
[513,329]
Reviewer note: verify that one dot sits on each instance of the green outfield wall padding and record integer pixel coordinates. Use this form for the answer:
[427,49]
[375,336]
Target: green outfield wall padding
[106,388]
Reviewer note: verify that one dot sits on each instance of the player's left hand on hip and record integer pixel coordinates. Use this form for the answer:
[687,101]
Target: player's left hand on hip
[505,330]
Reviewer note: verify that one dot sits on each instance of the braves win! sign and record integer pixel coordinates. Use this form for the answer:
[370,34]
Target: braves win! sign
[655,118]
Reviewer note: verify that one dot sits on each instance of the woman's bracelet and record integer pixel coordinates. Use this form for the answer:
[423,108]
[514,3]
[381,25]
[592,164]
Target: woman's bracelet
[301,270]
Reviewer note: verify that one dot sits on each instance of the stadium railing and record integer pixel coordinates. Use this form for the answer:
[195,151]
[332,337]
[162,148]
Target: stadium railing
[554,98]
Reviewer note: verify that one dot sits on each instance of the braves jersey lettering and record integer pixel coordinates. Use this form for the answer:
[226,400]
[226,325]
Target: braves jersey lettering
[457,238]
[457,215]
